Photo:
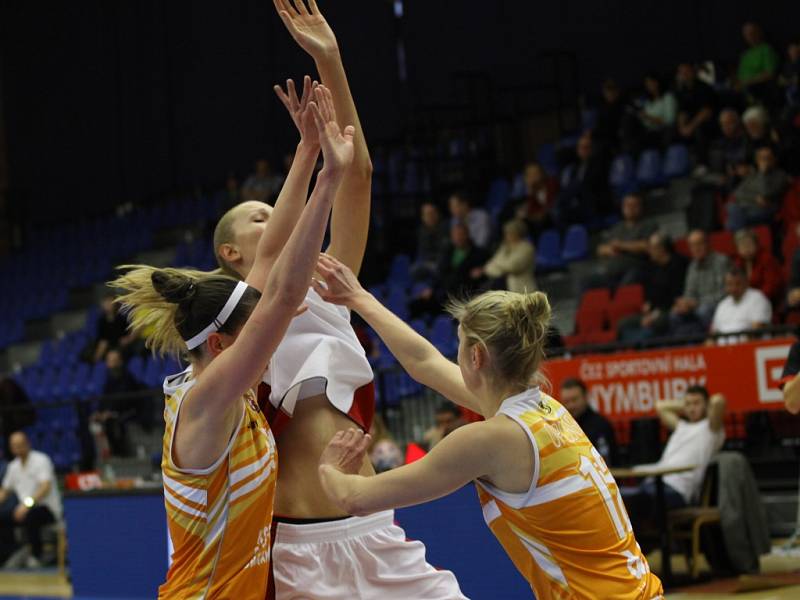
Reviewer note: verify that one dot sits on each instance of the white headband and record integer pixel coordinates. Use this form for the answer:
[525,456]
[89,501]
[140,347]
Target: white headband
[223,315]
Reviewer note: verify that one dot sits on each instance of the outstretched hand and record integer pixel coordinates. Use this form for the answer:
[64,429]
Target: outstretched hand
[341,285]
[298,109]
[307,26]
[337,145]
[345,451]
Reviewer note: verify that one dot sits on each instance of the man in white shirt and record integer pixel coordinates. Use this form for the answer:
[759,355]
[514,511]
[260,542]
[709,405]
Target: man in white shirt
[698,433]
[743,308]
[31,477]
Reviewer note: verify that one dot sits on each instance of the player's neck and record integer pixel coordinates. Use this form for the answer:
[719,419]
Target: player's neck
[490,398]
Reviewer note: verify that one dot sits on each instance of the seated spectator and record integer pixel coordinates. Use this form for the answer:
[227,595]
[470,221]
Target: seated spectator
[514,262]
[729,151]
[453,273]
[610,113]
[117,408]
[596,427]
[758,65]
[112,329]
[477,220]
[31,477]
[698,433]
[757,130]
[448,418]
[624,248]
[789,79]
[762,269]
[663,283]
[657,116]
[383,450]
[758,197]
[696,105]
[432,238]
[263,185]
[533,196]
[704,287]
[584,187]
[742,309]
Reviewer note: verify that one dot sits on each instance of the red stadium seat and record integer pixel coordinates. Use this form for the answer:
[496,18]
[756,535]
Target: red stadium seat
[682,247]
[722,241]
[628,300]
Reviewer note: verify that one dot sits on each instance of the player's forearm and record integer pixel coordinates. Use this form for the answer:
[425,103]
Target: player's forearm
[290,203]
[331,71]
[411,349]
[41,492]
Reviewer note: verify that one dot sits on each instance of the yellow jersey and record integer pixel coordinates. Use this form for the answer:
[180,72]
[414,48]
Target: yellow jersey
[569,534]
[219,518]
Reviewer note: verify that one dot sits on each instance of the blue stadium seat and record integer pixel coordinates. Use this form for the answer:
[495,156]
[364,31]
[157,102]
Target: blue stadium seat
[576,244]
[546,155]
[443,335]
[648,171]
[676,161]
[399,273]
[497,198]
[622,176]
[548,252]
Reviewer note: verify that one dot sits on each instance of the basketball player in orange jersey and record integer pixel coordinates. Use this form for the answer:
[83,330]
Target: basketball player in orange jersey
[319,379]
[546,493]
[219,461]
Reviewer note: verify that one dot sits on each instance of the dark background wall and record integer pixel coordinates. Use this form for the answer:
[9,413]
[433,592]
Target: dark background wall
[125,101]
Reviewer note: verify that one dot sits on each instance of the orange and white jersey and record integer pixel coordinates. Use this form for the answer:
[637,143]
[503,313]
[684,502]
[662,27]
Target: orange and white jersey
[219,518]
[569,534]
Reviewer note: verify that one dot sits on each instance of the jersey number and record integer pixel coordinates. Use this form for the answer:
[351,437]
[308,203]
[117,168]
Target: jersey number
[596,471]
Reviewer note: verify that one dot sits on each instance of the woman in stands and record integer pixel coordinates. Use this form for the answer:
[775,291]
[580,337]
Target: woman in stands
[219,462]
[546,493]
[319,380]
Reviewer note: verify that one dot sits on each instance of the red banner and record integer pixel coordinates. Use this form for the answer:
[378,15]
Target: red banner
[627,385]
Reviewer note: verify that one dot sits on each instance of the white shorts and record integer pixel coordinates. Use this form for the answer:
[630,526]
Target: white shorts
[366,558]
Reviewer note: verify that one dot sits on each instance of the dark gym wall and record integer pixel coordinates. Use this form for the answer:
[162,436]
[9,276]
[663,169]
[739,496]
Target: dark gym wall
[115,101]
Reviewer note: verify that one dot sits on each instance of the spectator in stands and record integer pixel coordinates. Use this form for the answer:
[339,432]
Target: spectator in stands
[31,477]
[663,283]
[698,432]
[597,428]
[112,329]
[117,408]
[743,309]
[233,195]
[514,262]
[432,239]
[758,65]
[704,287]
[758,197]
[477,220]
[383,450]
[453,273]
[757,129]
[584,187]
[624,248]
[762,269]
[16,411]
[729,151]
[696,105]
[448,418]
[789,79]
[263,185]
[658,114]
[610,113]
[533,196]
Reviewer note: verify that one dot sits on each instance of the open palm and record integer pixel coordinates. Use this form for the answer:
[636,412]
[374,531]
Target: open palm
[337,144]
[307,26]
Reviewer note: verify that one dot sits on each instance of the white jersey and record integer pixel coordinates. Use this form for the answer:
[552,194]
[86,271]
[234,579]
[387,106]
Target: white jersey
[320,353]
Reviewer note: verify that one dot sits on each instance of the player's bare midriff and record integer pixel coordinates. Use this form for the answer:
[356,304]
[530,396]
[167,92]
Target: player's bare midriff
[299,494]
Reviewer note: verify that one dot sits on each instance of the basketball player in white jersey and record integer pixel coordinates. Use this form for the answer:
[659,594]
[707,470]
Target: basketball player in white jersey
[319,380]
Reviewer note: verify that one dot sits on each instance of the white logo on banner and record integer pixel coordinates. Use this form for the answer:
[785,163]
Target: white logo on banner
[769,367]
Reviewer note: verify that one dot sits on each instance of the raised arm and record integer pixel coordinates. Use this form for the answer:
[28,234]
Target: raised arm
[416,354]
[463,456]
[350,220]
[292,199]
[233,372]
[716,412]
[668,411]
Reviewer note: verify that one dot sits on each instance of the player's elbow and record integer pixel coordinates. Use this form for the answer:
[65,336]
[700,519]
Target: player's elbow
[353,504]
